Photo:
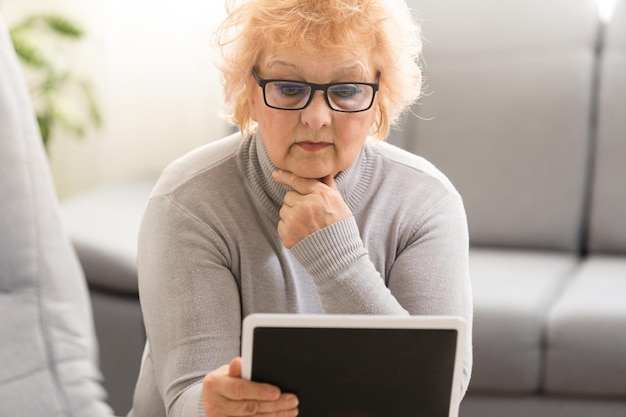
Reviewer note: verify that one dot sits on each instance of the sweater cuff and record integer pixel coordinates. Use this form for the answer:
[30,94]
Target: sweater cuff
[330,250]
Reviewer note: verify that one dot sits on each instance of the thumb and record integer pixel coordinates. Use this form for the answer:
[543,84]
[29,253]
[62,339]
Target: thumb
[234,369]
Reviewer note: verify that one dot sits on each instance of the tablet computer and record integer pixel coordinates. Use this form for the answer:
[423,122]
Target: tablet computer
[359,366]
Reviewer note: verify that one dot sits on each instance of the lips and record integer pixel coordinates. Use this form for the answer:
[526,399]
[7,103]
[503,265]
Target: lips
[313,146]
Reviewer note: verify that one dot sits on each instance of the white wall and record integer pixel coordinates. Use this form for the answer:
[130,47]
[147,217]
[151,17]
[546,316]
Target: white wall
[151,66]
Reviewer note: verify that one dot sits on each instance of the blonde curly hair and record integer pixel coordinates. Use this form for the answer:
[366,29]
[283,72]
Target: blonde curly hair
[385,28]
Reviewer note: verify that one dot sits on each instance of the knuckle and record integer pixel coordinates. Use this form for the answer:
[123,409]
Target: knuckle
[238,389]
[209,384]
[249,407]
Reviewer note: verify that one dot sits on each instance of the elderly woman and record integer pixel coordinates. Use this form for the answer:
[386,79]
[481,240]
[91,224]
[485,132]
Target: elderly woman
[305,210]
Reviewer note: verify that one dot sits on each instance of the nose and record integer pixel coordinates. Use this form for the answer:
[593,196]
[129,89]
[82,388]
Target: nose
[317,114]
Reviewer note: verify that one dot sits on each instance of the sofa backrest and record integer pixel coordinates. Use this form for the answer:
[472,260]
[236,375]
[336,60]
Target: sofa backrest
[47,343]
[506,114]
[607,232]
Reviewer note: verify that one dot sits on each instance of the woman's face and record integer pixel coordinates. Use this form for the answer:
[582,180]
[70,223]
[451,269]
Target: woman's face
[316,141]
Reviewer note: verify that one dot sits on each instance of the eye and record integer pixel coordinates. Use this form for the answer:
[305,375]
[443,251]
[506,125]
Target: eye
[345,91]
[291,89]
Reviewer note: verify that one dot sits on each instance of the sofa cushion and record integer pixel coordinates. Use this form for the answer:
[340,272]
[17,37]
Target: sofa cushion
[47,345]
[119,325]
[104,224]
[512,292]
[539,406]
[586,341]
[608,207]
[506,113]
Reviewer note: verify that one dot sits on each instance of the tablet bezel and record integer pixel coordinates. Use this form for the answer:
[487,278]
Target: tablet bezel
[264,320]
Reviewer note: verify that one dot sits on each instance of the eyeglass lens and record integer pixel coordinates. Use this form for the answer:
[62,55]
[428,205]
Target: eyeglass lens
[343,97]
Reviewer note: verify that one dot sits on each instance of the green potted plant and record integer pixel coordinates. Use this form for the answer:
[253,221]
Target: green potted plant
[38,41]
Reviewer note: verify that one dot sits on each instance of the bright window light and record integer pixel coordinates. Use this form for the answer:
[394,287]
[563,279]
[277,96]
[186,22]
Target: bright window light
[605,9]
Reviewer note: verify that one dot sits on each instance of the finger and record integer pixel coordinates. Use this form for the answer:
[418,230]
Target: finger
[224,392]
[268,392]
[225,406]
[299,184]
[283,213]
[291,198]
[286,402]
[234,368]
[242,389]
[233,387]
[281,408]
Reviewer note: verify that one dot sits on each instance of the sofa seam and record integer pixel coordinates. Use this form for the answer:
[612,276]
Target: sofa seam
[590,168]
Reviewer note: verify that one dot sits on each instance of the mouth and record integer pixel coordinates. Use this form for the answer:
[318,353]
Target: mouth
[313,146]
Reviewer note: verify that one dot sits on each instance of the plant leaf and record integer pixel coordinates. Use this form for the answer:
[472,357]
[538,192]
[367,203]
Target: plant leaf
[29,53]
[35,47]
[44,122]
[63,26]
[94,111]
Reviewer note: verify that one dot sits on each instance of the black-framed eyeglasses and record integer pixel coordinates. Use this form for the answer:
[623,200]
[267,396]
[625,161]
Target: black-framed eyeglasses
[346,97]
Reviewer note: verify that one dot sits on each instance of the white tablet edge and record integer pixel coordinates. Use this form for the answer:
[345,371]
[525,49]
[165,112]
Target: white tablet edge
[457,323]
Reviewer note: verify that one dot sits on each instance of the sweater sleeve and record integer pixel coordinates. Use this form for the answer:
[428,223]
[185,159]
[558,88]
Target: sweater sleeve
[346,279]
[189,298]
[429,275]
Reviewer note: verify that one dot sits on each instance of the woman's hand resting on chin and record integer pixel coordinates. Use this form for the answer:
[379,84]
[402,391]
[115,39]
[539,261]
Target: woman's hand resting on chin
[310,206]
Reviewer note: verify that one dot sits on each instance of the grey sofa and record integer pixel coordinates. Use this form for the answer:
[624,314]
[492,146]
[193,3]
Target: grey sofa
[525,111]
[48,352]
[104,224]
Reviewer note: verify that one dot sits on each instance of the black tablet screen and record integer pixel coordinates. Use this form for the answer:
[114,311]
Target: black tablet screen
[339,372]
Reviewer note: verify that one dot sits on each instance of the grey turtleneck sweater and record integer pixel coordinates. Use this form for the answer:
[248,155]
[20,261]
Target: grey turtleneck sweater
[209,254]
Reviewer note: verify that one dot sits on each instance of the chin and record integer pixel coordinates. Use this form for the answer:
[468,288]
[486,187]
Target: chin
[311,176]
[311,173]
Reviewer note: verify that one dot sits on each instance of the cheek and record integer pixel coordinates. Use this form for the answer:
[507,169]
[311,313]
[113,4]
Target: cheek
[358,129]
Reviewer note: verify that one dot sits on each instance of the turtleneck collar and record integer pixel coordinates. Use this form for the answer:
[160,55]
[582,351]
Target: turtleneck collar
[351,183]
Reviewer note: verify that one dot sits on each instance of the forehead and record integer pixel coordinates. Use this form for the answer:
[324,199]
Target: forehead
[324,65]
